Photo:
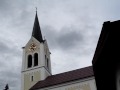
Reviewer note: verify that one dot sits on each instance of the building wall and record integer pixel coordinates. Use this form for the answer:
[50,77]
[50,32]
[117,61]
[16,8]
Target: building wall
[28,82]
[38,72]
[85,84]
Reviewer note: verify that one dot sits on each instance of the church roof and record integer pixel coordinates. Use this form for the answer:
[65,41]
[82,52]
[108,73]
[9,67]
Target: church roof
[36,30]
[64,77]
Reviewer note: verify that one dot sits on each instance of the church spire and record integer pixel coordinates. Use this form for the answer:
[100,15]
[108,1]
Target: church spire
[36,29]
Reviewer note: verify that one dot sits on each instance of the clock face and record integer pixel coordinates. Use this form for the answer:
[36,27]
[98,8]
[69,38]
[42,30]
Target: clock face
[32,47]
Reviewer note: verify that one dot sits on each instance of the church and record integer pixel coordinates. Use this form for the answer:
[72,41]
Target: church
[104,74]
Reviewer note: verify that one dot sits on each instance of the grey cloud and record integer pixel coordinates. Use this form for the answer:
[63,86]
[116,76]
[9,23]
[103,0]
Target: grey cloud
[14,12]
[3,48]
[10,77]
[8,49]
[66,38]
[9,74]
[11,5]
[4,5]
[6,8]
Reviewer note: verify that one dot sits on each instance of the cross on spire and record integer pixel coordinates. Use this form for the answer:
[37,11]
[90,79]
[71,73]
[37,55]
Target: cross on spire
[36,9]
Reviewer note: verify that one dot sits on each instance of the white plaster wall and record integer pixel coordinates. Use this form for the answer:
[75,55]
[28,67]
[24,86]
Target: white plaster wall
[41,61]
[47,55]
[84,84]
[44,73]
[22,81]
[39,50]
[42,55]
[23,60]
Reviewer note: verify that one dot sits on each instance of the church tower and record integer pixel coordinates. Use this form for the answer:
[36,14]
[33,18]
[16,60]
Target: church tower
[36,64]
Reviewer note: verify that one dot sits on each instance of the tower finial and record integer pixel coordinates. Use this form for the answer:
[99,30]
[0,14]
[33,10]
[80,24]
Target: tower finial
[36,9]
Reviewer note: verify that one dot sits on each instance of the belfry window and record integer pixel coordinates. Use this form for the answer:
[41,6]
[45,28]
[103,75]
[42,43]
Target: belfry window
[29,61]
[36,59]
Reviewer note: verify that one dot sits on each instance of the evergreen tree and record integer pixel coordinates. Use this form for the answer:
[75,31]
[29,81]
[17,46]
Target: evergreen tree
[6,87]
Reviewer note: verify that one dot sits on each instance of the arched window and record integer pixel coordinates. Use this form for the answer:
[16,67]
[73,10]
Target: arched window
[35,59]
[29,61]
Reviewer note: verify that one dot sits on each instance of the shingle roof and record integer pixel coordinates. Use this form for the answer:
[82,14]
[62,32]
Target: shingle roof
[64,77]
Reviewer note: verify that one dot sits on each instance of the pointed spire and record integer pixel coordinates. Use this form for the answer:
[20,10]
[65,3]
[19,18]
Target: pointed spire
[36,29]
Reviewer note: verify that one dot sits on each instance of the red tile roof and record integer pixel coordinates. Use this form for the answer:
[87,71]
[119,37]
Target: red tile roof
[64,77]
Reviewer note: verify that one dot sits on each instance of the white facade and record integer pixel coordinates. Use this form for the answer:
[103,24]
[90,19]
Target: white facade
[31,75]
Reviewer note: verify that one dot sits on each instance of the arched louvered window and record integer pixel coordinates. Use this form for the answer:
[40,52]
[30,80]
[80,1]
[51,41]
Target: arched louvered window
[36,59]
[29,61]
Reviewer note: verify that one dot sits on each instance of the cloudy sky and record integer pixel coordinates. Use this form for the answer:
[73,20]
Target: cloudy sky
[71,27]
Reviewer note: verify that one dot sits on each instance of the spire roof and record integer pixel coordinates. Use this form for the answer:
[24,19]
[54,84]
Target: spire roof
[36,30]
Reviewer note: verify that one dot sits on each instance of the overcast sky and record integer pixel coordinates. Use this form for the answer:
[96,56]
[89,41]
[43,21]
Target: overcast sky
[71,27]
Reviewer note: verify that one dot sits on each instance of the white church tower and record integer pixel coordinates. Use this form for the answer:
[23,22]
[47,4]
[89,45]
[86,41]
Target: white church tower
[36,64]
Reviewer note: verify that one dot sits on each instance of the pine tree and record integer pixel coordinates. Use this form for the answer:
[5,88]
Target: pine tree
[6,87]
